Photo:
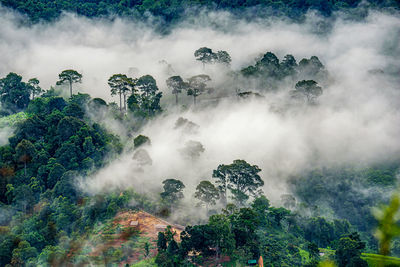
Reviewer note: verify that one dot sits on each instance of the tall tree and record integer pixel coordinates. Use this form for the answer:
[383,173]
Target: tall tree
[146,101]
[348,251]
[176,84]
[269,65]
[288,66]
[198,85]
[221,176]
[172,191]
[207,193]
[147,85]
[311,67]
[223,57]
[240,178]
[205,55]
[261,206]
[120,84]
[24,152]
[223,238]
[22,253]
[192,149]
[34,87]
[70,77]
[130,85]
[14,94]
[308,89]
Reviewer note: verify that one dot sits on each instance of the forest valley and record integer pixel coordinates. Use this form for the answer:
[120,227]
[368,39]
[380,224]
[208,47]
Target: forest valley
[83,180]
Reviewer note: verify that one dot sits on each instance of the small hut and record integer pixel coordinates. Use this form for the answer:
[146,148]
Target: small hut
[134,223]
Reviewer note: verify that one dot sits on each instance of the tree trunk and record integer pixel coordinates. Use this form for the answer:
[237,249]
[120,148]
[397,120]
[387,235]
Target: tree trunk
[176,99]
[223,199]
[194,100]
[125,102]
[216,253]
[120,101]
[70,87]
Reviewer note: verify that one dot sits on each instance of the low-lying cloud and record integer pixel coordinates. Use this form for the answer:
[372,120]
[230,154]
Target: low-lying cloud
[356,120]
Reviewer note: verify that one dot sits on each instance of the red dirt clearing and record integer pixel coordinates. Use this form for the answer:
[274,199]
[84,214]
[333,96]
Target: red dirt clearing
[145,224]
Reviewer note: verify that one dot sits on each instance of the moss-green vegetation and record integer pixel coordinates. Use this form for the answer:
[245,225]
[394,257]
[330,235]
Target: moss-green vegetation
[377,260]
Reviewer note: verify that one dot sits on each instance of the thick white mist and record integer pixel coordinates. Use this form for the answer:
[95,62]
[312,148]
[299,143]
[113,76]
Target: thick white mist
[356,120]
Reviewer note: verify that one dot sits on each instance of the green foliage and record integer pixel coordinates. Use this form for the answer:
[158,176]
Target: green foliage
[240,178]
[267,66]
[377,260]
[268,71]
[145,102]
[388,227]
[13,119]
[141,140]
[147,85]
[23,253]
[171,11]
[80,99]
[74,110]
[161,242]
[192,150]
[277,234]
[343,191]
[14,94]
[349,251]
[169,251]
[308,89]
[67,127]
[172,191]
[24,151]
[207,193]
[204,55]
[145,263]
[34,87]
[51,255]
[207,56]
[176,85]
[311,67]
[53,144]
[198,86]
[223,57]
[70,77]
[121,85]
[322,232]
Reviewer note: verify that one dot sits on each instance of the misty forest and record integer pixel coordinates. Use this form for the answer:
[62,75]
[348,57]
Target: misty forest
[200,133]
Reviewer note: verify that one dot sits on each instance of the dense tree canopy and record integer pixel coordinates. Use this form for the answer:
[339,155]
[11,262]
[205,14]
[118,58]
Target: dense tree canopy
[240,178]
[122,85]
[145,102]
[14,93]
[207,193]
[172,11]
